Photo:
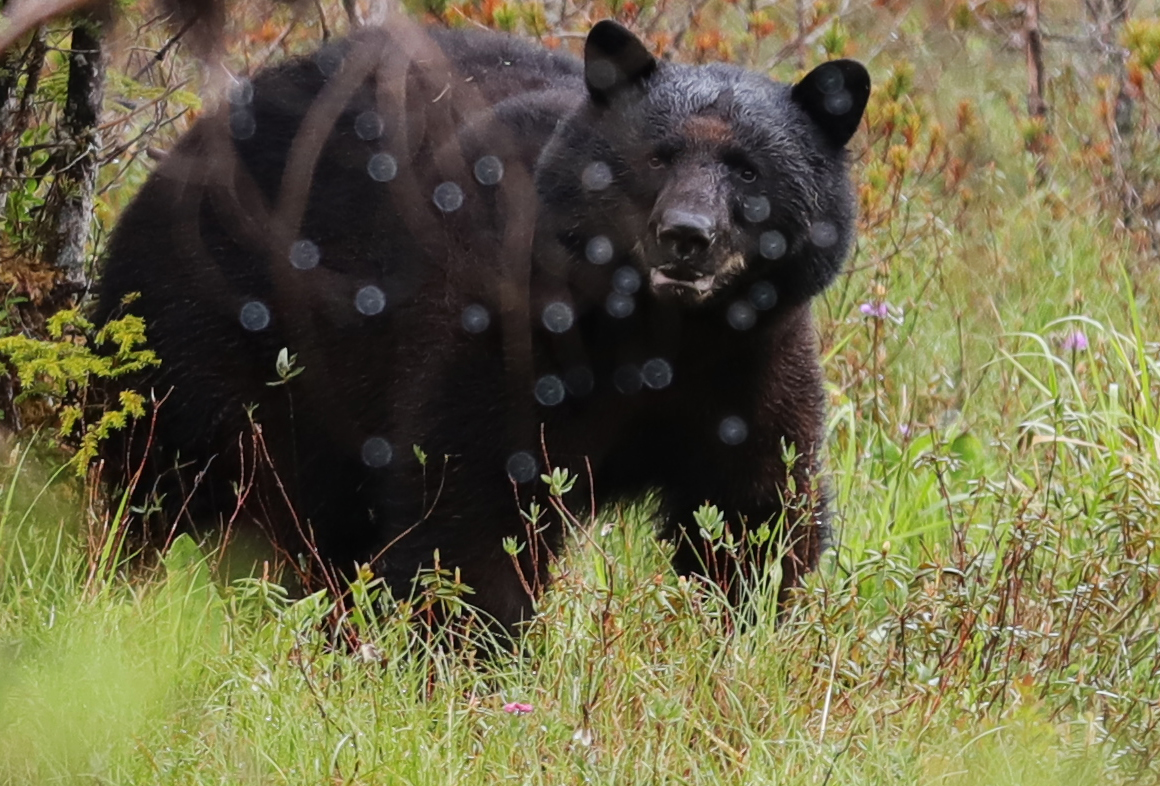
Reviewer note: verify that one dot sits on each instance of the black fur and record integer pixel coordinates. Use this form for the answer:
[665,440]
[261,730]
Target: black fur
[644,267]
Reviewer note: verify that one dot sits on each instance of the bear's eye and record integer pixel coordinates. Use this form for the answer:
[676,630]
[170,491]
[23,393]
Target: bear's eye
[748,175]
[656,162]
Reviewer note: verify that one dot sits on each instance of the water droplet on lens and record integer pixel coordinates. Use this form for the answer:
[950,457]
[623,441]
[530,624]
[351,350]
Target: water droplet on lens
[448,197]
[839,103]
[329,61]
[763,295]
[740,315]
[772,244]
[626,280]
[521,467]
[619,306]
[382,167]
[370,300]
[377,452]
[241,93]
[733,430]
[254,315]
[557,317]
[823,234]
[304,255]
[368,126]
[489,170]
[475,318]
[755,208]
[242,123]
[627,379]
[601,74]
[829,79]
[549,390]
[579,381]
[599,250]
[657,373]
[597,176]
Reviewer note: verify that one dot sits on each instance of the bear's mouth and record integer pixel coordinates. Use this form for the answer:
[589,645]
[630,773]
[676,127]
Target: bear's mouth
[699,287]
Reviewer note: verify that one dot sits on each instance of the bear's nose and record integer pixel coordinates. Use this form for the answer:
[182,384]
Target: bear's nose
[684,236]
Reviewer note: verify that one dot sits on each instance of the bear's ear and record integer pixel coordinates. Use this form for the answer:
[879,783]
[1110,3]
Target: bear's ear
[614,59]
[834,95]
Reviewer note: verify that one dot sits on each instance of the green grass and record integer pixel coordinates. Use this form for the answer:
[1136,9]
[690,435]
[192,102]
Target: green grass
[989,614]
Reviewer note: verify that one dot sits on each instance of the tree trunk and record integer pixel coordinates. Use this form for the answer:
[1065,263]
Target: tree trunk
[15,103]
[76,172]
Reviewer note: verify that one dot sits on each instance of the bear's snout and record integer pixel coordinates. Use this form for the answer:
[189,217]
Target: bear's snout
[685,237]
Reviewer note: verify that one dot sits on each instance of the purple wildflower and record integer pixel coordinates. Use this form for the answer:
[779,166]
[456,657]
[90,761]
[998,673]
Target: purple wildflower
[879,310]
[517,708]
[1075,341]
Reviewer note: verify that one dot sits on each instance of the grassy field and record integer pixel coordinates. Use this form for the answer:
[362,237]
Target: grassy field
[990,611]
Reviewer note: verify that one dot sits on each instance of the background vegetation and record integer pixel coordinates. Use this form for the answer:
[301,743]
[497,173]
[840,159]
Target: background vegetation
[989,613]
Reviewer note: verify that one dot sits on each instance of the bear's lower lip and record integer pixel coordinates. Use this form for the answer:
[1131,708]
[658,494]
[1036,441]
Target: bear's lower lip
[701,286]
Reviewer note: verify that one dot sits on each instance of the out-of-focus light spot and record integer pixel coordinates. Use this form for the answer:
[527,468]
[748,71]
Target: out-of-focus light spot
[740,315]
[657,373]
[382,167]
[254,315]
[370,300]
[304,255]
[489,171]
[597,176]
[522,466]
[448,197]
[599,250]
[475,318]
[557,316]
[549,390]
[377,452]
[732,430]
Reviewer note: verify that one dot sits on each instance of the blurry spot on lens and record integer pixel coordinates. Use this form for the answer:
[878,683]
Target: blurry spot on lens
[475,318]
[599,250]
[549,390]
[254,315]
[489,170]
[772,244]
[370,300]
[657,373]
[329,61]
[619,306]
[627,379]
[241,93]
[377,452]
[368,126]
[521,467]
[733,430]
[597,176]
[755,208]
[823,234]
[242,124]
[382,167]
[839,103]
[304,255]
[626,280]
[579,381]
[763,295]
[740,315]
[557,317]
[448,197]
[829,79]
[601,74]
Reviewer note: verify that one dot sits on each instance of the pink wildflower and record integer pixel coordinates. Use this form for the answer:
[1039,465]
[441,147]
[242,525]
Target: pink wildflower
[517,708]
[879,310]
[1075,341]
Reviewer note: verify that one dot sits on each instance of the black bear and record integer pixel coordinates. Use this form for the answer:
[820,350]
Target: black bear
[509,259]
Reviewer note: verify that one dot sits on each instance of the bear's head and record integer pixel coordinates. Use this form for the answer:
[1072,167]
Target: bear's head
[711,181]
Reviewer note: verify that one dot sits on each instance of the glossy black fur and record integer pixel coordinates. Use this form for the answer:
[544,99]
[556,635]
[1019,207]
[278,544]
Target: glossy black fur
[650,399]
